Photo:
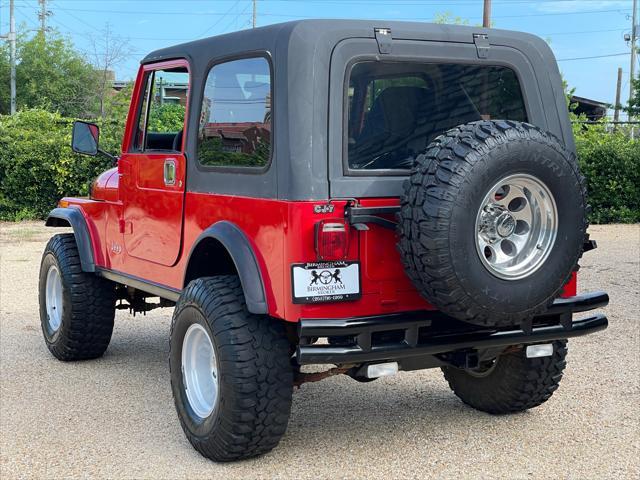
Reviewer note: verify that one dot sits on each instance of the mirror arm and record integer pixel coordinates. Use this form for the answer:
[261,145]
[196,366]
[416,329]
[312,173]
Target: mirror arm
[113,158]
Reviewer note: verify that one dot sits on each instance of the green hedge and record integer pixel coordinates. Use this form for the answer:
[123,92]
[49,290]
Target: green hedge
[611,164]
[37,166]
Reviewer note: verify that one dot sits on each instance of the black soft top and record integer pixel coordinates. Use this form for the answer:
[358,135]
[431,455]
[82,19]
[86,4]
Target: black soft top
[313,32]
[309,59]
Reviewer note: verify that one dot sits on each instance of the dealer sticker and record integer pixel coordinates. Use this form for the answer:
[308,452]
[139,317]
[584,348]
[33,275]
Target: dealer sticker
[325,282]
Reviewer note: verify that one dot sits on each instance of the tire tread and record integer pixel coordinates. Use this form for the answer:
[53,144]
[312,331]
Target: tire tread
[523,383]
[87,331]
[426,210]
[254,353]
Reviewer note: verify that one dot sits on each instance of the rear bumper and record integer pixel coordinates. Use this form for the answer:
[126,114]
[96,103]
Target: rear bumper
[403,335]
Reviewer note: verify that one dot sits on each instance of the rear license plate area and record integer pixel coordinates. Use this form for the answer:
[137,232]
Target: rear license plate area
[318,282]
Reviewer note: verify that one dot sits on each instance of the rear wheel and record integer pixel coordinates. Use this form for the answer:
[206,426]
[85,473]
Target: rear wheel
[511,382]
[76,308]
[231,375]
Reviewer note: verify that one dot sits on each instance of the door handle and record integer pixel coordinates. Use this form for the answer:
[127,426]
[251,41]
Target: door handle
[170,171]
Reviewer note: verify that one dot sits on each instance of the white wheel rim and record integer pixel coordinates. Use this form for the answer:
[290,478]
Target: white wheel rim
[199,370]
[516,227]
[54,298]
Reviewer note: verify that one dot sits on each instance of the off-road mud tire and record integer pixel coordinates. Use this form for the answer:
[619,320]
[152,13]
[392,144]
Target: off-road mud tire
[255,373]
[438,214]
[88,304]
[515,384]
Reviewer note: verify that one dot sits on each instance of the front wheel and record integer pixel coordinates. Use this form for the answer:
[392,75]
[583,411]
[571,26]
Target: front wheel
[231,375]
[511,382]
[76,308]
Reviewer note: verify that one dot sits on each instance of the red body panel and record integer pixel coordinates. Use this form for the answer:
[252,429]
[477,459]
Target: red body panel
[142,227]
[152,219]
[281,232]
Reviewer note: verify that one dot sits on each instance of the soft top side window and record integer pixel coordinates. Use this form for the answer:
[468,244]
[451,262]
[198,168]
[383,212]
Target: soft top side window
[162,110]
[397,108]
[235,118]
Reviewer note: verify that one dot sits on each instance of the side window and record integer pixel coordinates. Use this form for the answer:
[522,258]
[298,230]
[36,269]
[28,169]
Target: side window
[162,112]
[235,120]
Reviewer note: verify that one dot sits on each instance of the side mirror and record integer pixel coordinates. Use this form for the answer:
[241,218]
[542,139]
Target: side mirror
[84,138]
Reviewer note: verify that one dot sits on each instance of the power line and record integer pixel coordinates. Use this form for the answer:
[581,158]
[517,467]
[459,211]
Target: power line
[236,18]
[83,22]
[220,19]
[199,14]
[594,56]
[378,2]
[184,39]
[584,31]
[27,18]
[475,18]
[146,12]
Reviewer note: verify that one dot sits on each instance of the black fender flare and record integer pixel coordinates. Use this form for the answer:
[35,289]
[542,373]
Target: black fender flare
[244,259]
[72,217]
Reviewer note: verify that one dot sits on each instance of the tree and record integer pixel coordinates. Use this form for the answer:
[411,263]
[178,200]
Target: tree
[449,19]
[633,106]
[116,109]
[50,74]
[109,51]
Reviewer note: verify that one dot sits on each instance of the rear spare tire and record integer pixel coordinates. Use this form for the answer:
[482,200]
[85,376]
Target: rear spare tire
[493,221]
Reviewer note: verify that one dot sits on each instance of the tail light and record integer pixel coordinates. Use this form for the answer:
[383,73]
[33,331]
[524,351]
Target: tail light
[332,240]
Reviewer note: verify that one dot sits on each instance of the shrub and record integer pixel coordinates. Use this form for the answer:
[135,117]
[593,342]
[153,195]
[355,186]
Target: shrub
[37,166]
[212,153]
[610,161]
[166,118]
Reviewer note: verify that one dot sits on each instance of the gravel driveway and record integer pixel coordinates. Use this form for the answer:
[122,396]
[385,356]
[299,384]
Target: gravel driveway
[114,417]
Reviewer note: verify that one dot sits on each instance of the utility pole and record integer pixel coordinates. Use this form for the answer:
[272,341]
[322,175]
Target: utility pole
[486,14]
[42,16]
[12,40]
[634,34]
[254,14]
[616,112]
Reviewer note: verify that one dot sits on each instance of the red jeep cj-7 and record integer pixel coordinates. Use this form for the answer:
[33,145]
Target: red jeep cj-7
[376,196]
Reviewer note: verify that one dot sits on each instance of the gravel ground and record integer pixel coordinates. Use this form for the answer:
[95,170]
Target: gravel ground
[114,417]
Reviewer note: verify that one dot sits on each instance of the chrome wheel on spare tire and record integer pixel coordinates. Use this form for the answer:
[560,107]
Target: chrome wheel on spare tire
[516,226]
[492,222]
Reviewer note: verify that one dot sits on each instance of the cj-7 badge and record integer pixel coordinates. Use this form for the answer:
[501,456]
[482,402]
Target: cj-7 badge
[326,208]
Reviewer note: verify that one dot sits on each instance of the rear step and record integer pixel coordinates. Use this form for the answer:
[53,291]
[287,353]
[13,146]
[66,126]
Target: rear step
[402,335]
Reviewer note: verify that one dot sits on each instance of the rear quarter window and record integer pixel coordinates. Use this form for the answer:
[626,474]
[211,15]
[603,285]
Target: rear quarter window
[235,117]
[395,109]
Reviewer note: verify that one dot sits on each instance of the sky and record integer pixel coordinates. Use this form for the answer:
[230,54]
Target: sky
[574,28]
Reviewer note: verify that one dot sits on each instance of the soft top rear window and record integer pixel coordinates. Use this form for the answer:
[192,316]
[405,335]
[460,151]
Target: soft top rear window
[397,108]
